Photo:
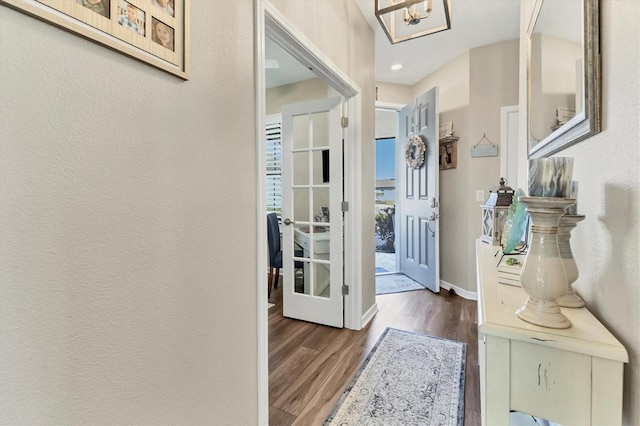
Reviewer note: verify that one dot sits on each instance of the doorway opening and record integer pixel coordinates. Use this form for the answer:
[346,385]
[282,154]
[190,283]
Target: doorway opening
[385,207]
[414,217]
[386,237]
[269,22]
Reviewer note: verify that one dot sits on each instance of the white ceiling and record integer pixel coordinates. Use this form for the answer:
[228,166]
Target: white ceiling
[474,23]
[289,70]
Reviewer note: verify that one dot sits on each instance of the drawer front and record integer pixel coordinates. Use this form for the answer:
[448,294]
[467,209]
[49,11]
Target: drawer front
[552,383]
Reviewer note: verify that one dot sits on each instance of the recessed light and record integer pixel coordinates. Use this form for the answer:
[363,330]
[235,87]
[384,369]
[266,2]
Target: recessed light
[396,67]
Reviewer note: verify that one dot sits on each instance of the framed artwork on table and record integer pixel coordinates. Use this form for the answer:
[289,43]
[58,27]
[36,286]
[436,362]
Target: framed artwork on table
[151,31]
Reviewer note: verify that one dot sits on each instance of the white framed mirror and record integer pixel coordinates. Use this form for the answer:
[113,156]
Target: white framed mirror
[563,74]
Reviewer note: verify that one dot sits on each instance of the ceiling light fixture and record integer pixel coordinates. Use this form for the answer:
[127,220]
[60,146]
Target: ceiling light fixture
[396,67]
[404,20]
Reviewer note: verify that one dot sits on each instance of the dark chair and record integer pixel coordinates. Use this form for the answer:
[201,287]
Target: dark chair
[275,252]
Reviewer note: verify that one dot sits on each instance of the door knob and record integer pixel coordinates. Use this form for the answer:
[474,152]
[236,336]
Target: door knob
[432,219]
[287,221]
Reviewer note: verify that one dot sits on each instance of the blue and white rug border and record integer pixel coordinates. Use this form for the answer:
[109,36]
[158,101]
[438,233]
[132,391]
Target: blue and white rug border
[353,381]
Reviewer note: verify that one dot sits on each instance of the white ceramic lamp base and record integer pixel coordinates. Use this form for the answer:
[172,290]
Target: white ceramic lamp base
[543,277]
[567,222]
[543,313]
[570,300]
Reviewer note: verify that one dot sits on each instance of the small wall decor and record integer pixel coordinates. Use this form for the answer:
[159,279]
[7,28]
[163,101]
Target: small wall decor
[414,153]
[449,153]
[479,150]
[446,130]
[151,31]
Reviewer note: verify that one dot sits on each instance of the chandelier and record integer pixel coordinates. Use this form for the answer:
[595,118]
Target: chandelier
[404,20]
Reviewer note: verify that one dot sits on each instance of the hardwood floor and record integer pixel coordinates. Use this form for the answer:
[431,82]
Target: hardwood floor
[310,365]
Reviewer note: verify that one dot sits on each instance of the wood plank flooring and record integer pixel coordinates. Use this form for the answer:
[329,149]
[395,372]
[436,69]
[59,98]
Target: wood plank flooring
[310,365]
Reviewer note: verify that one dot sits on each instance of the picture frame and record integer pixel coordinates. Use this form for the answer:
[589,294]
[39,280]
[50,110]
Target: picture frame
[152,31]
[446,129]
[325,212]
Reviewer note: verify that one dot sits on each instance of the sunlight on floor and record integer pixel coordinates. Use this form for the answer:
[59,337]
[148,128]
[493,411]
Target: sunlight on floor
[385,262]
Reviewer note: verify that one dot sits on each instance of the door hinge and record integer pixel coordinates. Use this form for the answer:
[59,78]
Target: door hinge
[345,206]
[345,289]
[344,122]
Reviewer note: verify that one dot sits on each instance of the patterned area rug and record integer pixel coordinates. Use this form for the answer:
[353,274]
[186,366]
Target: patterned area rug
[407,379]
[396,283]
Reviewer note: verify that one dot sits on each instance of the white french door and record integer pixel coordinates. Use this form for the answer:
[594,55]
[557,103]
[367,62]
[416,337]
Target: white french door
[312,211]
[419,199]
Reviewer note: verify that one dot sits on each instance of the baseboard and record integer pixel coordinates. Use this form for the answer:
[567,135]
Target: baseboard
[470,295]
[368,316]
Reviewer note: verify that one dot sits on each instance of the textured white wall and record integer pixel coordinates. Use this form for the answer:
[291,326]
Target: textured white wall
[493,84]
[393,93]
[606,245]
[128,222]
[302,91]
[453,81]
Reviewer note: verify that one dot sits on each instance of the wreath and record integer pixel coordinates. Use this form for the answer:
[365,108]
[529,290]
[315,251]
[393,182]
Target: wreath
[414,154]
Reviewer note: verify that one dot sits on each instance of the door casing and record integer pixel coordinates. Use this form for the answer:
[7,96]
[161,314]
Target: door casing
[270,21]
[417,209]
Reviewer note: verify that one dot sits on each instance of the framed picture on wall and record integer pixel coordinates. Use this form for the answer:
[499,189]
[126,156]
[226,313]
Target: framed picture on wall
[151,31]
[446,129]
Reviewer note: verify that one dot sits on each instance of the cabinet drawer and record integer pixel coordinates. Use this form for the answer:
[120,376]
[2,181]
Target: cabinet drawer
[551,383]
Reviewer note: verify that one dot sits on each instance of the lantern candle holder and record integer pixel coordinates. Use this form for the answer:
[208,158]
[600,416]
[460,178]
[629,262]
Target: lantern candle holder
[495,211]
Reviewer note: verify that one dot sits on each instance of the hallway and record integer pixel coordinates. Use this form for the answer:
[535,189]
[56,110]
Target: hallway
[310,365]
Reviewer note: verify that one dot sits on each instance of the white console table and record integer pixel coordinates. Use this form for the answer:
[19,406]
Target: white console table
[570,376]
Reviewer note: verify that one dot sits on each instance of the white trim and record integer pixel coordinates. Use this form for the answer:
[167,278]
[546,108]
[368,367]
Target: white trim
[507,147]
[294,42]
[389,105]
[465,294]
[368,316]
[261,225]
[352,218]
[269,20]
[289,38]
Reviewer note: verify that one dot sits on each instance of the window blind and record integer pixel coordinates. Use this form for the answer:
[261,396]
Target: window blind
[273,145]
